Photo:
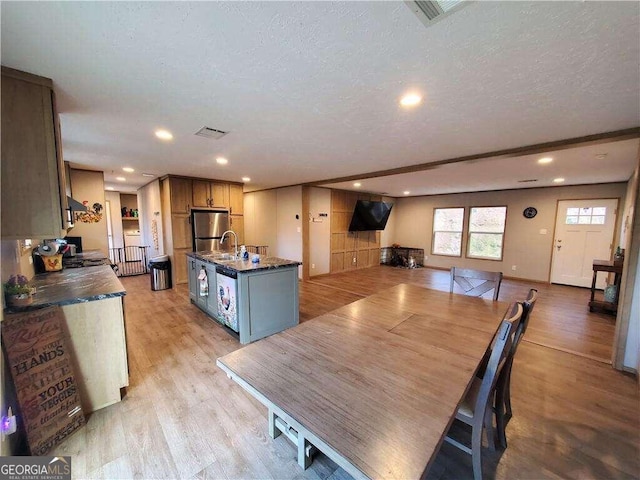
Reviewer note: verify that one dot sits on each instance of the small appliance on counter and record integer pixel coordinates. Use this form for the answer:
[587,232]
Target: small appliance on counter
[48,257]
[74,242]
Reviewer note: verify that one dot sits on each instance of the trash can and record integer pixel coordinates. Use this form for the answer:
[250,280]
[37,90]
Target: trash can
[160,268]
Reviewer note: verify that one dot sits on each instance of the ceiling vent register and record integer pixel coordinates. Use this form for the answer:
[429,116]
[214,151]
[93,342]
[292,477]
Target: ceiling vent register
[431,11]
[209,132]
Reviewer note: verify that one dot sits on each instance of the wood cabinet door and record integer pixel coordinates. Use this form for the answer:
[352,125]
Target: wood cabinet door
[31,197]
[201,194]
[180,195]
[236,223]
[179,266]
[181,228]
[236,199]
[220,194]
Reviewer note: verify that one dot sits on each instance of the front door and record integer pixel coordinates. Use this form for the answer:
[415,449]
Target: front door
[584,233]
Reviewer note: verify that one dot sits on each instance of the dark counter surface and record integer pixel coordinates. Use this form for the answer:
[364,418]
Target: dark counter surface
[241,266]
[73,285]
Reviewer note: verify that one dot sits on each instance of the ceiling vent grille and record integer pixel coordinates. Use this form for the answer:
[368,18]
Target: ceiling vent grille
[431,11]
[209,132]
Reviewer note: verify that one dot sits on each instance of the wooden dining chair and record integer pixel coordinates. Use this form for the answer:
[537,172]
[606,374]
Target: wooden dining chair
[476,282]
[503,387]
[477,407]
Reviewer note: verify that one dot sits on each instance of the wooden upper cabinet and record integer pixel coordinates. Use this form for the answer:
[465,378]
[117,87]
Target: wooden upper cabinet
[180,195]
[236,199]
[210,194]
[201,193]
[219,194]
[33,200]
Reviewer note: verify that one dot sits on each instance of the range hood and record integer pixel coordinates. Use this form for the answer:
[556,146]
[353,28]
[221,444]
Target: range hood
[75,205]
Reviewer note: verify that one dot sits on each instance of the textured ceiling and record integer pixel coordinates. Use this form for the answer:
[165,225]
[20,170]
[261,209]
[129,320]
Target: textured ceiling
[309,90]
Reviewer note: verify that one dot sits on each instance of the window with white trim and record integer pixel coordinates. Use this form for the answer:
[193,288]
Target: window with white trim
[486,232]
[447,231]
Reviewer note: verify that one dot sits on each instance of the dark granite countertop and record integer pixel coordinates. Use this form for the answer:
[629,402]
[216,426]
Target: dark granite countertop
[91,255]
[73,285]
[241,266]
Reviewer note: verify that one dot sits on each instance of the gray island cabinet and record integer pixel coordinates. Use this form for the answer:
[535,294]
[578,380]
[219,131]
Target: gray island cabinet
[254,300]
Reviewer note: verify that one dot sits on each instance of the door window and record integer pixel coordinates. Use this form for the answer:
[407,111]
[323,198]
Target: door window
[586,216]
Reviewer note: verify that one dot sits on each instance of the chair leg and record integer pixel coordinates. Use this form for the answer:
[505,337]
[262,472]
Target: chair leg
[476,449]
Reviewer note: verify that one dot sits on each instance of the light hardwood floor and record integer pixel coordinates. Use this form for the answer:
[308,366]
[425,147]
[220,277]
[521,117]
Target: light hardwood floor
[574,417]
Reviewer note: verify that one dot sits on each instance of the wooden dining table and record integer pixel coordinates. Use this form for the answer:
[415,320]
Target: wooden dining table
[374,385]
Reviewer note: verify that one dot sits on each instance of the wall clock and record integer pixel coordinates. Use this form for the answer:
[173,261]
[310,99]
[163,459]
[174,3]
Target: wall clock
[530,212]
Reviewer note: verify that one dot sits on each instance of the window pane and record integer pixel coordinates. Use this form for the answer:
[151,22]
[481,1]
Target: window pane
[573,211]
[585,211]
[597,220]
[487,219]
[572,220]
[448,219]
[599,210]
[584,220]
[486,245]
[445,243]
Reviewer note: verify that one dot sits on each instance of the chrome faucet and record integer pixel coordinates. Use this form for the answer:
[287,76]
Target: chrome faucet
[235,236]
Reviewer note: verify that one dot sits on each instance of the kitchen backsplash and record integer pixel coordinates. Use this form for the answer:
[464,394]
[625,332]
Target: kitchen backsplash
[15,260]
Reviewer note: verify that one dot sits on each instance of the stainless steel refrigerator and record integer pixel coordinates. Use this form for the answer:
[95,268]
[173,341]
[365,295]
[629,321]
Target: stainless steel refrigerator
[208,227]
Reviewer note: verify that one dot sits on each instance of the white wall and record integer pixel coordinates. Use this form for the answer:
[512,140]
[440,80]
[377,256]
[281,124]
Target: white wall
[151,230]
[629,311]
[289,228]
[269,219]
[116,218]
[319,231]
[525,246]
[260,219]
[632,349]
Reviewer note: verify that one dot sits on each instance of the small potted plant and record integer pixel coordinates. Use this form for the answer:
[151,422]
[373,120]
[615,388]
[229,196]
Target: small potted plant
[18,291]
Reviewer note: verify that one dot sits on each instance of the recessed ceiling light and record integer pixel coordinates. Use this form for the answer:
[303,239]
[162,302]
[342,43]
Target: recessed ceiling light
[109,188]
[357,184]
[246,179]
[558,180]
[128,169]
[121,179]
[410,100]
[222,161]
[148,175]
[544,160]
[406,192]
[164,135]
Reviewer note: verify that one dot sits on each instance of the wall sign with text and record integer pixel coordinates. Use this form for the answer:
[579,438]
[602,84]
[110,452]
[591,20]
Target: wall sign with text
[40,361]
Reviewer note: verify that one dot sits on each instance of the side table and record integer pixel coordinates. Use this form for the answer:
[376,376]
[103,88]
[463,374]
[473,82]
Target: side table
[610,267]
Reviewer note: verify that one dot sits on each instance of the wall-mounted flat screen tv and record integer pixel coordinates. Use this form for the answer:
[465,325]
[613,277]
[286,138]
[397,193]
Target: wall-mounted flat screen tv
[369,215]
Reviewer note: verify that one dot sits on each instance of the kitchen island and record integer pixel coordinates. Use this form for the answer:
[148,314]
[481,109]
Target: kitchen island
[91,299]
[252,300]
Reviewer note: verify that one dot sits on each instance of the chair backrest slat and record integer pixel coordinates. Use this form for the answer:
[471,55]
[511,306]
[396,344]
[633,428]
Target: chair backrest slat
[484,281]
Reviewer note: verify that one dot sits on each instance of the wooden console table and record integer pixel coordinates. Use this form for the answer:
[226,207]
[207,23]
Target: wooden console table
[610,267]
